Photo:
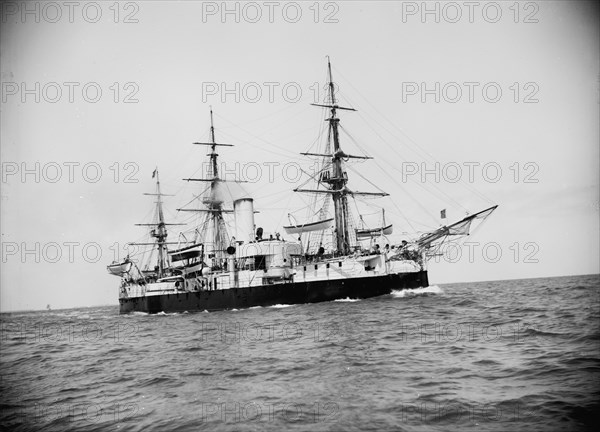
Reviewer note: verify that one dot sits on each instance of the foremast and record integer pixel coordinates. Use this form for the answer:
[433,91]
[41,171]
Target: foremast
[340,179]
[337,179]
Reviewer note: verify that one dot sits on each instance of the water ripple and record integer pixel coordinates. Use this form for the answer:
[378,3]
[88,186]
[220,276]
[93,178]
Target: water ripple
[494,356]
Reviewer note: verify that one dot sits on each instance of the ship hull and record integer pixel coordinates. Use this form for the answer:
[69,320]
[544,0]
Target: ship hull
[269,295]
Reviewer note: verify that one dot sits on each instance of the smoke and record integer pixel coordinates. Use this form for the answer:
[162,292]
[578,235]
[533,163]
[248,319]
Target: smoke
[228,192]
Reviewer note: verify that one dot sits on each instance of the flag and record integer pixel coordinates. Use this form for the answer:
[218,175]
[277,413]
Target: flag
[154,173]
[443,214]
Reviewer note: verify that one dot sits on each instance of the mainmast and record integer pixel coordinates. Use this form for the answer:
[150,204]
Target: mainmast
[215,202]
[213,154]
[214,222]
[161,231]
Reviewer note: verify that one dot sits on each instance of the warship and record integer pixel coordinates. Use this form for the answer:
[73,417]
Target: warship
[326,258]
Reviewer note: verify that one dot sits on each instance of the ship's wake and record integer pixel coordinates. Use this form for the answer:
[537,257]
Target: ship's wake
[434,289]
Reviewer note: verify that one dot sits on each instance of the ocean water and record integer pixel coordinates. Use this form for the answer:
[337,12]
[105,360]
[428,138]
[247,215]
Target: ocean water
[487,356]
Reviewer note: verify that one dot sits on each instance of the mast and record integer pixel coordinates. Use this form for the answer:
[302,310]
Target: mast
[159,229]
[215,229]
[216,205]
[339,180]
[213,154]
[161,232]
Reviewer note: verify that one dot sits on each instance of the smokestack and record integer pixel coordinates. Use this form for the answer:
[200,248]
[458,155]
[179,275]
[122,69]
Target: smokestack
[243,211]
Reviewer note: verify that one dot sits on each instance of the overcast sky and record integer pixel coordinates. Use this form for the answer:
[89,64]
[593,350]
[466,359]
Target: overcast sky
[503,97]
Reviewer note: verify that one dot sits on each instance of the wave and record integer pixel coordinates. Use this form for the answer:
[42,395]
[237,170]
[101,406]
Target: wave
[152,381]
[163,313]
[279,306]
[347,300]
[433,289]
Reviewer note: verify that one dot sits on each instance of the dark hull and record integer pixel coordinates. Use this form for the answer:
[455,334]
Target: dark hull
[269,295]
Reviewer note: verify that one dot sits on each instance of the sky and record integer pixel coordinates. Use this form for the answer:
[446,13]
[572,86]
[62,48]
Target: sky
[462,106]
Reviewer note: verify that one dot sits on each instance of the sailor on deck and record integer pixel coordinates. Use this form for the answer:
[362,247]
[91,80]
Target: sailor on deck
[321,251]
